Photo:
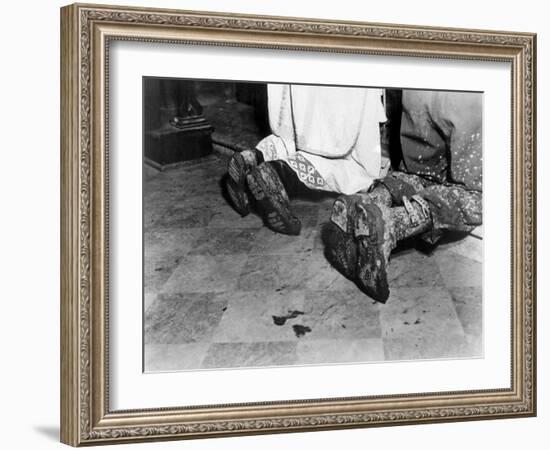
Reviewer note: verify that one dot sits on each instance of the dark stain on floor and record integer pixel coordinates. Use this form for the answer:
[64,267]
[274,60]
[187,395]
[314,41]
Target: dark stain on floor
[281,320]
[192,208]
[300,330]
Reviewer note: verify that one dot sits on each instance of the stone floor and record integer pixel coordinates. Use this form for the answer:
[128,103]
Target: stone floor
[223,291]
[235,124]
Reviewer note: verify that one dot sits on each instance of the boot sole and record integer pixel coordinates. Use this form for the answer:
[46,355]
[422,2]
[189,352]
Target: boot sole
[371,264]
[342,251]
[279,218]
[236,184]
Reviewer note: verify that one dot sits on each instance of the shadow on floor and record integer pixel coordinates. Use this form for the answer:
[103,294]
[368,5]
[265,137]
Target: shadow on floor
[49,431]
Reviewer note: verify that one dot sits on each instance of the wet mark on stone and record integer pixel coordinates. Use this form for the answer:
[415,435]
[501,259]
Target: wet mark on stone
[417,321]
[300,330]
[328,308]
[406,323]
[281,320]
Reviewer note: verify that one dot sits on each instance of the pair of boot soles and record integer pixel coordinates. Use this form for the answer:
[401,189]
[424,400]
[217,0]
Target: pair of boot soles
[267,189]
[356,236]
[357,232]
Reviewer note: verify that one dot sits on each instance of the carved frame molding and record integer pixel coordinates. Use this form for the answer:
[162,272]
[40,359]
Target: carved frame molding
[86,31]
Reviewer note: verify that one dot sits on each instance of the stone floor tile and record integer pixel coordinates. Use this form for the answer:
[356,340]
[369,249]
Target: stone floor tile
[223,241]
[176,241]
[268,242]
[338,315]
[331,351]
[163,250]
[318,244]
[158,269]
[468,246]
[149,173]
[305,209]
[256,316]
[211,198]
[148,299]
[426,346]
[203,273]
[473,346]
[226,217]
[425,313]
[412,268]
[254,354]
[468,303]
[307,213]
[272,272]
[185,218]
[168,357]
[321,275]
[283,303]
[183,318]
[457,270]
[154,210]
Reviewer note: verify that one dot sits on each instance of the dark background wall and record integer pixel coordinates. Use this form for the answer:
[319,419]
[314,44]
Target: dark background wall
[183,118]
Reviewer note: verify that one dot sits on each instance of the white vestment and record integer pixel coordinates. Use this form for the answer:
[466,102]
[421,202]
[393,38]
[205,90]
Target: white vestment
[329,136]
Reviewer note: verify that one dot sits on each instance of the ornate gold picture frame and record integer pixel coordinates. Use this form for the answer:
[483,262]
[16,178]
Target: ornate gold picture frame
[87,31]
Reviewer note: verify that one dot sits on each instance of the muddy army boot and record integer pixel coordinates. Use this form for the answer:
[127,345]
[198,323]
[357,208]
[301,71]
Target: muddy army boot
[270,195]
[240,164]
[341,245]
[378,228]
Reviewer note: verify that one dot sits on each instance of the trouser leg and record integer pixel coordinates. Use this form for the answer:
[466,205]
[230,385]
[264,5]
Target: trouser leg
[452,206]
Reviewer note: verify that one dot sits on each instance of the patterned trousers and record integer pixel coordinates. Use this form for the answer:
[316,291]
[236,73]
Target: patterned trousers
[453,206]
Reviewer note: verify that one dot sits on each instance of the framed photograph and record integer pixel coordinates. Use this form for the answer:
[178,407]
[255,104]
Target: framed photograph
[276,224]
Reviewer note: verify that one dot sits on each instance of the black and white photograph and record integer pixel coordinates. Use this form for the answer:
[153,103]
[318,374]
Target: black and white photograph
[275,225]
[302,224]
